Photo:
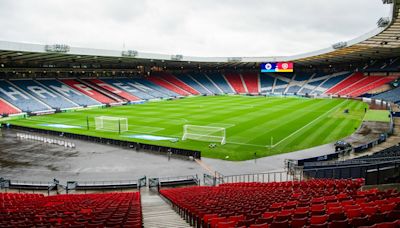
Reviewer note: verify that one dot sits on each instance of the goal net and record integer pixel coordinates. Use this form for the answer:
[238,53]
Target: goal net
[204,133]
[109,123]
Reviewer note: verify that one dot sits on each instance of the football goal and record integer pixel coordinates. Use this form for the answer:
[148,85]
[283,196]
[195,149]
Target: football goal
[109,123]
[204,133]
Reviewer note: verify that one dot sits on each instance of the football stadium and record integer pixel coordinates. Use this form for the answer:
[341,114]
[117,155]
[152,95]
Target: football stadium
[97,136]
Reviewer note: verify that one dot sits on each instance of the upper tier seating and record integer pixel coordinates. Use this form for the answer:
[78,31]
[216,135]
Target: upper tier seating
[220,80]
[174,80]
[161,82]
[69,92]
[315,203]
[21,100]
[252,82]
[113,89]
[126,85]
[44,94]
[236,82]
[88,91]
[80,210]
[354,78]
[6,108]
[204,81]
[195,85]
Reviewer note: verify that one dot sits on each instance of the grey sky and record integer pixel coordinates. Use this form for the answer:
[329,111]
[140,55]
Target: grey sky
[191,27]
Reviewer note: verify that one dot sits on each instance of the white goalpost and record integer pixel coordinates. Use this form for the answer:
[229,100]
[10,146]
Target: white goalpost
[110,123]
[204,133]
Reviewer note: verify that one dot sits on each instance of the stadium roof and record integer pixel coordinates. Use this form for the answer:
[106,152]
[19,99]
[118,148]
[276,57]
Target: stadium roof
[383,42]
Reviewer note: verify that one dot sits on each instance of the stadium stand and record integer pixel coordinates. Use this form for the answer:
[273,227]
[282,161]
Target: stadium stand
[220,80]
[315,203]
[266,82]
[334,80]
[72,93]
[373,85]
[42,93]
[113,89]
[126,85]
[173,80]
[163,92]
[161,82]
[7,108]
[205,81]
[391,95]
[236,81]
[88,91]
[75,210]
[280,86]
[251,80]
[69,92]
[387,159]
[20,99]
[348,82]
[187,79]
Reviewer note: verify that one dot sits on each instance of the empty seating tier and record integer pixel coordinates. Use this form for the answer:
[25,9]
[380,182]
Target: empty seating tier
[354,78]
[235,80]
[172,79]
[80,210]
[113,89]
[6,108]
[161,82]
[252,82]
[88,91]
[315,203]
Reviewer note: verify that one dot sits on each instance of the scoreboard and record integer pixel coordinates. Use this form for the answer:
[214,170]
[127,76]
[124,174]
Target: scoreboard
[276,67]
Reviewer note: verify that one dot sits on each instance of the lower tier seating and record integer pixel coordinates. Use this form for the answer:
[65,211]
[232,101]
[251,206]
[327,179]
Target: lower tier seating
[7,108]
[313,203]
[75,210]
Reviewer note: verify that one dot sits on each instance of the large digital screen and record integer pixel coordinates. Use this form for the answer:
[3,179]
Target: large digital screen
[276,67]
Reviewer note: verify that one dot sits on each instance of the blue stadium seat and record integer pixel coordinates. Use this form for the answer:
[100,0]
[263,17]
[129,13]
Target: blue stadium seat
[189,81]
[68,92]
[21,100]
[164,91]
[267,81]
[144,88]
[123,84]
[221,82]
[391,95]
[44,94]
[201,78]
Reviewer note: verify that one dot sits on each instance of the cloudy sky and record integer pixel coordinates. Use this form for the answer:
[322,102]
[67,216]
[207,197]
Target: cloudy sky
[190,27]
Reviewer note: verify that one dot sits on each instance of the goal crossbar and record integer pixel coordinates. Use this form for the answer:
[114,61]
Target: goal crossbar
[204,133]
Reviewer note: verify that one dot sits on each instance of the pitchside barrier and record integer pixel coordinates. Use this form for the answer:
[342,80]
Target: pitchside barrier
[191,154]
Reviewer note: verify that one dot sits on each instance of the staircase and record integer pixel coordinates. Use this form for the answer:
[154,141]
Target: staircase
[158,213]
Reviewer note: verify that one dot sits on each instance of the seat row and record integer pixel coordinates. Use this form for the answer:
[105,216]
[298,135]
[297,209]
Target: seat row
[319,202]
[75,210]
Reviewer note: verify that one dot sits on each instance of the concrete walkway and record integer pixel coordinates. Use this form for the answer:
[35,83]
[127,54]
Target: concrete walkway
[158,213]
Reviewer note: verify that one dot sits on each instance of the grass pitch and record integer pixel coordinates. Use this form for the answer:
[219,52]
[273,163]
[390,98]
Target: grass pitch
[265,126]
[377,115]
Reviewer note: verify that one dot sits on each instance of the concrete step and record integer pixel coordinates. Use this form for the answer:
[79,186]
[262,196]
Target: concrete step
[158,213]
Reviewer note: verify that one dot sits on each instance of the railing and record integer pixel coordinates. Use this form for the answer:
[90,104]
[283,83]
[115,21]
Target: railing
[279,176]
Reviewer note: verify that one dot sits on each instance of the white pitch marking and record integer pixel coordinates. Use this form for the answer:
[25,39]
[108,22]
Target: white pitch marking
[307,124]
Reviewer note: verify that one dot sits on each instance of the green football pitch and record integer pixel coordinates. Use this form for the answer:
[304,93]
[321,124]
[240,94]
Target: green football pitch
[255,126]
